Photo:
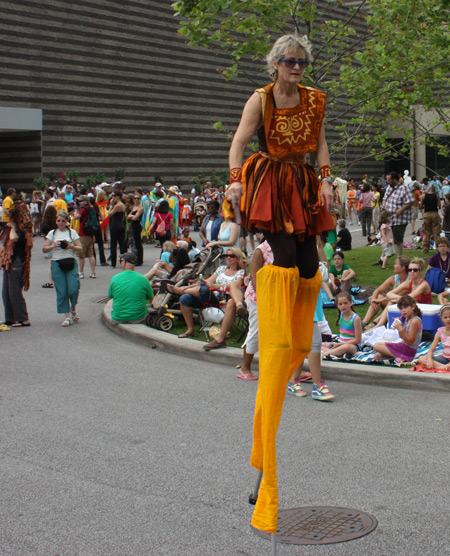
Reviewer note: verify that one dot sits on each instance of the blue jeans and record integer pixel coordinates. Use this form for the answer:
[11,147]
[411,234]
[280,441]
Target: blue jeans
[67,286]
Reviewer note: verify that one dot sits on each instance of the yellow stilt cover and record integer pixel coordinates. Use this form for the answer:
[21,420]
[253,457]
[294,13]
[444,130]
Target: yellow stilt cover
[286,305]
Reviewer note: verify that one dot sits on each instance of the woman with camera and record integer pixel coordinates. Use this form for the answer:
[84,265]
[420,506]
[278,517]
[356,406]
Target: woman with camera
[64,243]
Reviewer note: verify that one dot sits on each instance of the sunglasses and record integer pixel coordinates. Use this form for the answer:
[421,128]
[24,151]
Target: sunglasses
[137,198]
[291,63]
[230,256]
[413,269]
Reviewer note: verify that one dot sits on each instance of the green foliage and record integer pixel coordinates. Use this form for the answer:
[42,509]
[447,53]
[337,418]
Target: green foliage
[99,177]
[90,181]
[119,174]
[73,175]
[198,181]
[220,177]
[374,80]
[39,183]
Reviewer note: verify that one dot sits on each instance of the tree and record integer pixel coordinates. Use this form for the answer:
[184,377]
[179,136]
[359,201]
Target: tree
[378,61]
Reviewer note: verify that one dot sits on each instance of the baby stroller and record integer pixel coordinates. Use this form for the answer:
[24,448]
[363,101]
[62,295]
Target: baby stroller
[165,305]
[200,210]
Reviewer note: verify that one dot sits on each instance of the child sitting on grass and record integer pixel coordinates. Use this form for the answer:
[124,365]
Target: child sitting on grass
[350,328]
[409,328]
[442,337]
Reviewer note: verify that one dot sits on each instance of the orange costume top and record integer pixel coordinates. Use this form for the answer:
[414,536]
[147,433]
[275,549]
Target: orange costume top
[281,191]
[352,197]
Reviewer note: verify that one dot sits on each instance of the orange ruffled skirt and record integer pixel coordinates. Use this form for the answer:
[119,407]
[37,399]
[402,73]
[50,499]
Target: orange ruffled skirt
[282,195]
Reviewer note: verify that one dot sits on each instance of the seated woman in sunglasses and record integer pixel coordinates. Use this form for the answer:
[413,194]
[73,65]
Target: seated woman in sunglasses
[415,286]
[197,295]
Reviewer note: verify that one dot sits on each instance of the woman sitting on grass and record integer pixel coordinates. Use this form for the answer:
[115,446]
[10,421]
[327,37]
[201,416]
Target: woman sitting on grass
[415,286]
[379,300]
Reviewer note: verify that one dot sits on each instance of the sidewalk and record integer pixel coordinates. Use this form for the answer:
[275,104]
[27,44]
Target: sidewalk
[347,372]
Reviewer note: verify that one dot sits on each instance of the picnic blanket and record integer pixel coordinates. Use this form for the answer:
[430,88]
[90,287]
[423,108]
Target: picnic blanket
[367,356]
[327,304]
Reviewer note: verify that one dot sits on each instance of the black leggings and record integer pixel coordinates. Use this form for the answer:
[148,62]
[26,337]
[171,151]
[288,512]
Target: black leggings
[289,252]
[117,237]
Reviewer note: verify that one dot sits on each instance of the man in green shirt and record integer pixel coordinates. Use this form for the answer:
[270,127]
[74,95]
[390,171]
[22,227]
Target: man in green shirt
[130,292]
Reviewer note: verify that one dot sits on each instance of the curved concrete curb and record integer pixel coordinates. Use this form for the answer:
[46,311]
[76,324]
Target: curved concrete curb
[332,370]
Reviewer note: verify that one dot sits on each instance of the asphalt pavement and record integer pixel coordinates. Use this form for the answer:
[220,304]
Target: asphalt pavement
[110,448]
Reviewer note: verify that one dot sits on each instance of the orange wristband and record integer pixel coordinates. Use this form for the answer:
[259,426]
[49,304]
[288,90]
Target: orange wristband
[325,172]
[235,175]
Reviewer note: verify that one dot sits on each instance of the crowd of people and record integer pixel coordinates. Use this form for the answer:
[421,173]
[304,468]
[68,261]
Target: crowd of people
[78,222]
[390,203]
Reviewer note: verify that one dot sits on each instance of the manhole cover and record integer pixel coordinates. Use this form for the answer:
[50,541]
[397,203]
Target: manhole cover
[321,525]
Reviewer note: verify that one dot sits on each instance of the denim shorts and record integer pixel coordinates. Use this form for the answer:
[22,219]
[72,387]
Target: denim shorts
[205,295]
[441,359]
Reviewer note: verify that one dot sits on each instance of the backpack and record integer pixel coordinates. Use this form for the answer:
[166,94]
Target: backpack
[161,228]
[436,278]
[91,226]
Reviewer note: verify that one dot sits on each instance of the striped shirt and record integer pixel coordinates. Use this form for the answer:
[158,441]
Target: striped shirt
[347,329]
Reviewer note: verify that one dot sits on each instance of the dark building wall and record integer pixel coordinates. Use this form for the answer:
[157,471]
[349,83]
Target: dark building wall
[20,158]
[118,88]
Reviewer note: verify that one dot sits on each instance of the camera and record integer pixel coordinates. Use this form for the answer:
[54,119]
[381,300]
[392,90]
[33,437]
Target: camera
[63,244]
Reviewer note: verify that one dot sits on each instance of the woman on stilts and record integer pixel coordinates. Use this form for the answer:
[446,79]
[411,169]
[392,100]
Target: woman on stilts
[280,193]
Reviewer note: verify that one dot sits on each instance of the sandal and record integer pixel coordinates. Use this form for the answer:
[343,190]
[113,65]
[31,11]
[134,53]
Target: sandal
[186,335]
[247,376]
[48,285]
[370,326]
[241,310]
[66,322]
[75,317]
[20,324]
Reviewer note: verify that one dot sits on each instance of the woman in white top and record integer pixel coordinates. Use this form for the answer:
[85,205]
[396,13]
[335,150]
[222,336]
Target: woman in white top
[64,243]
[196,296]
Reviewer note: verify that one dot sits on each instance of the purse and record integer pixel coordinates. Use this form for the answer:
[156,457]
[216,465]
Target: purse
[161,228]
[66,264]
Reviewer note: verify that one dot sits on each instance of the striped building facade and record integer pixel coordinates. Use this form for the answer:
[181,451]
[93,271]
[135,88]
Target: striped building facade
[115,87]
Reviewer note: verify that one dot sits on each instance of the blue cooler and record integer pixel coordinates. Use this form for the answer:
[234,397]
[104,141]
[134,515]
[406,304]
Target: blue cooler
[430,316]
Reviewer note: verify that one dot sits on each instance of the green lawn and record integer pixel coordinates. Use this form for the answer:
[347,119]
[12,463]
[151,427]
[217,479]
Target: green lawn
[361,260]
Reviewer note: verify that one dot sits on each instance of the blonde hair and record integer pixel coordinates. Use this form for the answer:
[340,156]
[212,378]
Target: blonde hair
[239,255]
[419,262]
[63,214]
[101,196]
[169,246]
[287,43]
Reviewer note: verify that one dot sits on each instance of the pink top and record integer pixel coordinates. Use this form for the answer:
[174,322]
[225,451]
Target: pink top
[267,254]
[389,235]
[366,199]
[445,341]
